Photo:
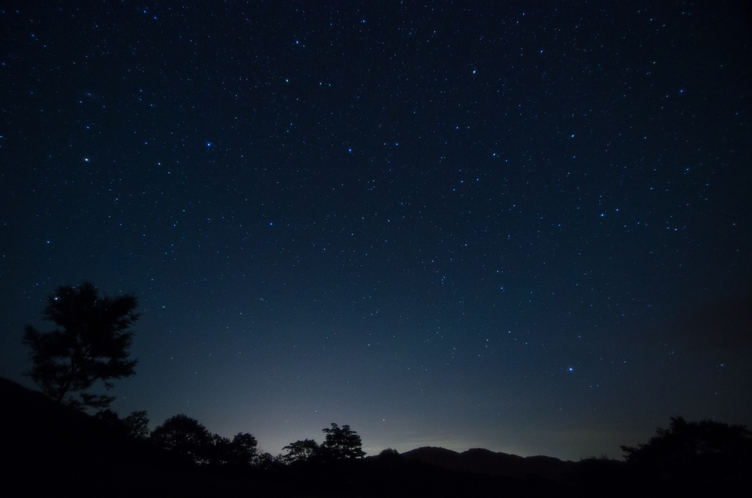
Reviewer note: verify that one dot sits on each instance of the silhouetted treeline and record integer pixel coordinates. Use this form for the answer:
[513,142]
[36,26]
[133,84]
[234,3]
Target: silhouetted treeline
[51,449]
[695,458]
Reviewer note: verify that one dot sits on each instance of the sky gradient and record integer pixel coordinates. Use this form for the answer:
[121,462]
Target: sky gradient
[471,224]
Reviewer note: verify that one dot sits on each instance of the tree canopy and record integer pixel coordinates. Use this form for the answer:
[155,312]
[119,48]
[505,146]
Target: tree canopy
[341,443]
[188,437]
[696,455]
[184,435]
[300,451]
[135,425]
[89,344]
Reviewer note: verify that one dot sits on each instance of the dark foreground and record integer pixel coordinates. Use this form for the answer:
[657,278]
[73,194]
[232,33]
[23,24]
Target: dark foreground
[47,450]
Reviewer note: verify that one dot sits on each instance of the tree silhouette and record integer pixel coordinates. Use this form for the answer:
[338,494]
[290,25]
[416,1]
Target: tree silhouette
[703,455]
[89,344]
[238,452]
[186,436]
[341,443]
[243,449]
[111,419]
[135,425]
[300,451]
[265,461]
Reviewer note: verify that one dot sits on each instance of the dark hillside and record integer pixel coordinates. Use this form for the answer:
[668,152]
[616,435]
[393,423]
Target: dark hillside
[52,449]
[48,449]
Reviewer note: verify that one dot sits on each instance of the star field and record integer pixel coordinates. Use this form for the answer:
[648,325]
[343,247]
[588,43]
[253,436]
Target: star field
[524,228]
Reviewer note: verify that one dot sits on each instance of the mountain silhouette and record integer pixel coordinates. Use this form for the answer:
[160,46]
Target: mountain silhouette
[482,461]
[53,449]
[48,448]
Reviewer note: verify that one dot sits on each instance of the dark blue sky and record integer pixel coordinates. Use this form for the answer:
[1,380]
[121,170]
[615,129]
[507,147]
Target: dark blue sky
[466,224]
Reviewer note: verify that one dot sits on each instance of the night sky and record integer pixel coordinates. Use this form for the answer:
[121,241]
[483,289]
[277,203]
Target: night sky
[470,224]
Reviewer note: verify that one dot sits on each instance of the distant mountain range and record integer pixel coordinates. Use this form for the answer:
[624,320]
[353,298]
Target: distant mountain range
[481,461]
[49,449]
[54,449]
[38,421]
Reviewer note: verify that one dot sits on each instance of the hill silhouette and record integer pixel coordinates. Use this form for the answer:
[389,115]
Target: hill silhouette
[47,448]
[53,449]
[482,461]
